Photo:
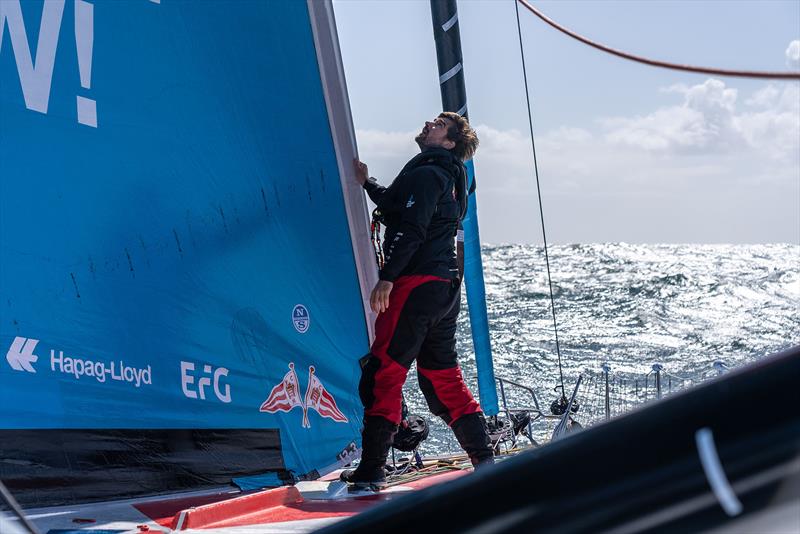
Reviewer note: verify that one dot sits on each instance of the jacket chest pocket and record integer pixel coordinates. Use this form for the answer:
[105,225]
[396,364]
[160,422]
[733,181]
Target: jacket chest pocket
[448,207]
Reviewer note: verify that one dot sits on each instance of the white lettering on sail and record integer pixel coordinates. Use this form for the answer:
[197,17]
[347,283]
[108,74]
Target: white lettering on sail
[35,75]
[100,370]
[221,391]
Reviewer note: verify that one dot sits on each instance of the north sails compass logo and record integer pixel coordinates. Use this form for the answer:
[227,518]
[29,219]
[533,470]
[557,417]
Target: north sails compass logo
[301,319]
[286,396]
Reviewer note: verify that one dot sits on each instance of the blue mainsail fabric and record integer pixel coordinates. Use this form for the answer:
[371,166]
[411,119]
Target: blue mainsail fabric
[173,235]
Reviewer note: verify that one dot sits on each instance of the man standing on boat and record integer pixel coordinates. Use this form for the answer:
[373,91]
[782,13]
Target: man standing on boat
[417,299]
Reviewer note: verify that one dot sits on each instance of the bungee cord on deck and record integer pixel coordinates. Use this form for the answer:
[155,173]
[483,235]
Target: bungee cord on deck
[788,75]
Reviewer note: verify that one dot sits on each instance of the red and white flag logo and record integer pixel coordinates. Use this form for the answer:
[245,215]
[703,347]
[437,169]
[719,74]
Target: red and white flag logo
[318,398]
[286,396]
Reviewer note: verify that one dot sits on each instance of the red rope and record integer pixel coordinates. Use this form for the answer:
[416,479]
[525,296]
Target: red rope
[705,70]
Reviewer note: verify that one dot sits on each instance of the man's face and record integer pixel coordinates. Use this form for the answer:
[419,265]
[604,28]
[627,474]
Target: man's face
[434,134]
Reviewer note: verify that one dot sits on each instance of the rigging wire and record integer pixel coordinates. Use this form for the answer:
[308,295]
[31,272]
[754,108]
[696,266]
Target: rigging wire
[789,75]
[539,194]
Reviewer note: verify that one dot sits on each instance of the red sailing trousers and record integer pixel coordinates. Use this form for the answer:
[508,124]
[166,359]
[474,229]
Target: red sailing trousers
[420,324]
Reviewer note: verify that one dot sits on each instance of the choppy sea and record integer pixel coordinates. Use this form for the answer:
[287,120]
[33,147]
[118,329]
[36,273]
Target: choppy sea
[684,307]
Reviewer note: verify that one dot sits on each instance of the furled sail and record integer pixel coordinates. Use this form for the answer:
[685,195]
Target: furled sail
[183,258]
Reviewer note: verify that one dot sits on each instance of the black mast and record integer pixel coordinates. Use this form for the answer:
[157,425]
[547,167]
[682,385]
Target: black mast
[454,98]
[448,54]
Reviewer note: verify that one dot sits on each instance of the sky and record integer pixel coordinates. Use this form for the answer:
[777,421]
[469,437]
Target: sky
[626,152]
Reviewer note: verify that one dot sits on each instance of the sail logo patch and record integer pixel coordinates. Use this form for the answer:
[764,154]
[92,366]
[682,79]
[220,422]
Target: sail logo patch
[285,396]
[20,355]
[300,319]
[209,377]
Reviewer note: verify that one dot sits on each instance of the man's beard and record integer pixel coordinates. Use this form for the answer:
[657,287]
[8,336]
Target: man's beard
[420,139]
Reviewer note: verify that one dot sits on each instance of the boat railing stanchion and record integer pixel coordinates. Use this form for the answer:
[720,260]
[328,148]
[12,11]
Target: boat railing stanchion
[526,388]
[536,410]
[503,394]
[530,431]
[606,370]
[508,414]
[657,368]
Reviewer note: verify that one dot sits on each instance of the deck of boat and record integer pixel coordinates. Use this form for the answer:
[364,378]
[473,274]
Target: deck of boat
[304,507]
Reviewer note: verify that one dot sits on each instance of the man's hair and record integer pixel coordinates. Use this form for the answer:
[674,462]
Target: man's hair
[462,134]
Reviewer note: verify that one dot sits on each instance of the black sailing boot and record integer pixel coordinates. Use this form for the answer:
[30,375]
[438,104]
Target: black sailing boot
[473,436]
[376,440]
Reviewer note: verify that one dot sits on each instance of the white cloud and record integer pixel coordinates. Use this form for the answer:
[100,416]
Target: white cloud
[764,98]
[793,54]
[705,121]
[675,88]
[508,157]
[385,152]
[708,121]
[385,144]
[502,142]
[662,130]
[691,170]
[773,128]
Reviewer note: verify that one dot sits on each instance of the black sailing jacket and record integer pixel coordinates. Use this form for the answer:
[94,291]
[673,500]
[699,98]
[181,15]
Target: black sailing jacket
[421,211]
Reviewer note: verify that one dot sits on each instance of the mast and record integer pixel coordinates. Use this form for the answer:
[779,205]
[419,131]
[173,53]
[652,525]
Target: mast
[454,98]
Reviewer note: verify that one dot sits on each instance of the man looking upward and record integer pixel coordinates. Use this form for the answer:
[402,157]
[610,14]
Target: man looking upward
[418,297]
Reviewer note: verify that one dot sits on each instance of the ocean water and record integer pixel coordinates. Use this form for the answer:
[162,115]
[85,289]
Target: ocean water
[684,307]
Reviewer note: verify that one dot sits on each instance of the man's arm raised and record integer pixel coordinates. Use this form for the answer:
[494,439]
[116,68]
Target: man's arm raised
[369,184]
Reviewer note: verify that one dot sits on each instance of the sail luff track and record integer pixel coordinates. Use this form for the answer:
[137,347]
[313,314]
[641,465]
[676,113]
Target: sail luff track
[334,86]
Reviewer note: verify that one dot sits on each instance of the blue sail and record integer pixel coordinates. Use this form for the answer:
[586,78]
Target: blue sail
[476,297]
[177,263]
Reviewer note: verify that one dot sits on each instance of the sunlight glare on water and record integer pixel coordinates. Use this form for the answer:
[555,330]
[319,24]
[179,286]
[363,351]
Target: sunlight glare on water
[681,306]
